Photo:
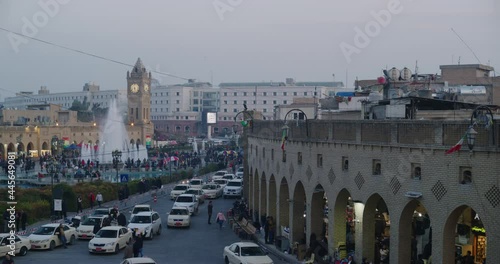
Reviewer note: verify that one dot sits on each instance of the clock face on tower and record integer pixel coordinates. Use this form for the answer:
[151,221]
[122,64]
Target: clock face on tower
[134,88]
[146,87]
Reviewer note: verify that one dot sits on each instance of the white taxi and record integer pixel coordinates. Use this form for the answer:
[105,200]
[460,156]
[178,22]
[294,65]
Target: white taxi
[20,245]
[140,208]
[45,236]
[140,260]
[245,252]
[212,191]
[110,239]
[179,217]
[178,190]
[189,201]
[86,229]
[148,223]
[196,184]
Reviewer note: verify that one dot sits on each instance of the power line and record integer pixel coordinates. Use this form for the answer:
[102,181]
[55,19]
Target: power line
[89,54]
[463,41]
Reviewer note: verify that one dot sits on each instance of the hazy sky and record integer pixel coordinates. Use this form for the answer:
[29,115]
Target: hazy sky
[238,40]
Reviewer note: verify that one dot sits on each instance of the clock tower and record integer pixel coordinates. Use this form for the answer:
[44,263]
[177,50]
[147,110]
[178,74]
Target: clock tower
[139,94]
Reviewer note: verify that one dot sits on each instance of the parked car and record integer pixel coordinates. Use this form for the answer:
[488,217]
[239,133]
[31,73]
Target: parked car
[140,260]
[241,169]
[245,253]
[110,239]
[148,223]
[196,184]
[86,229]
[140,208]
[212,190]
[218,175]
[45,236]
[178,190]
[179,217]
[189,201]
[21,245]
[200,194]
[103,211]
[239,175]
[228,176]
[233,188]
[221,182]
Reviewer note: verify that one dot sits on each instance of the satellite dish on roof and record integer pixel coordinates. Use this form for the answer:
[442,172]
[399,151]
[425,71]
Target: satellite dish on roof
[394,74]
[406,74]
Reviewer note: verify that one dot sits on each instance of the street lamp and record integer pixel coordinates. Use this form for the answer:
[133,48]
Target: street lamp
[482,115]
[117,156]
[52,169]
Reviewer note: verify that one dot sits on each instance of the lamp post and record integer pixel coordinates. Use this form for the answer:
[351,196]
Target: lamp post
[482,115]
[52,169]
[117,156]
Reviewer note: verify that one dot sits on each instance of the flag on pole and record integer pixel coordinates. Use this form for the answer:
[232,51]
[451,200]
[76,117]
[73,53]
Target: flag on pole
[283,140]
[457,146]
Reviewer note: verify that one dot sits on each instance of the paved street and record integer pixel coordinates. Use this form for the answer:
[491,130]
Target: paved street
[202,243]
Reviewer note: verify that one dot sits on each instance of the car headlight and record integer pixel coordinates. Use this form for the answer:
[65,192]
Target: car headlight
[44,241]
[110,244]
[148,228]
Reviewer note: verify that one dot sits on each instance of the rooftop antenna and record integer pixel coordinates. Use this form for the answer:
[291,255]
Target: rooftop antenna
[459,57]
[463,41]
[416,70]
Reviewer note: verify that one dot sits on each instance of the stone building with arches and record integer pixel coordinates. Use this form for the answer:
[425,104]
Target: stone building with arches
[360,185]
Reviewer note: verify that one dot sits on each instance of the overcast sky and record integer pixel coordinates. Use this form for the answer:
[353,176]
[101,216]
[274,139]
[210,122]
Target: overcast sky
[238,40]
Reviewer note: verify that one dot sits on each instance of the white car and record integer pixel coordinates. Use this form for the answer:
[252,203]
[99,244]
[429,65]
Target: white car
[140,208]
[179,217]
[200,194]
[240,169]
[196,184]
[221,182]
[110,239]
[140,260]
[86,229]
[233,188]
[148,223]
[245,253]
[212,191]
[239,175]
[45,236]
[189,201]
[228,176]
[178,190]
[21,245]
[104,211]
[218,175]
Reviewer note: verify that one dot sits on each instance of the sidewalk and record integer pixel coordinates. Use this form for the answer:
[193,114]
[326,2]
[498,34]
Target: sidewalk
[122,205]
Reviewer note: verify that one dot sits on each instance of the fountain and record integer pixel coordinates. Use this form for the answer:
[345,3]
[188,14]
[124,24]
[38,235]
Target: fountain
[113,136]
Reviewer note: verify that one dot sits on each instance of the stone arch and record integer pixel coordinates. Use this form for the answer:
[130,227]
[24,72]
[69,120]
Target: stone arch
[374,225]
[20,147]
[30,147]
[11,147]
[284,204]
[412,212]
[273,200]
[341,218]
[2,150]
[299,206]
[452,228]
[45,146]
[317,212]
[248,188]
[256,191]
[263,195]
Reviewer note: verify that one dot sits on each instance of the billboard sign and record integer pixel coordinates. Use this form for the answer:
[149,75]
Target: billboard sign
[211,118]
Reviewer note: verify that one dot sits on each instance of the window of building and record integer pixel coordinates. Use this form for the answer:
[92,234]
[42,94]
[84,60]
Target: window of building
[254,102]
[195,93]
[264,93]
[225,110]
[195,109]
[177,117]
[345,163]
[177,101]
[178,128]
[177,109]
[416,171]
[225,102]
[305,93]
[225,118]
[376,167]
[235,110]
[275,93]
[244,101]
[244,93]
[299,158]
[275,102]
[465,175]
[177,93]
[187,117]
[235,102]
[285,102]
[319,160]
[235,94]
[195,101]
[315,93]
[264,102]
[254,94]
[216,130]
[285,93]
[225,93]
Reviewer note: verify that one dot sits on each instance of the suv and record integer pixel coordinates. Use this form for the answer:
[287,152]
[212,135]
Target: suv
[189,201]
[233,188]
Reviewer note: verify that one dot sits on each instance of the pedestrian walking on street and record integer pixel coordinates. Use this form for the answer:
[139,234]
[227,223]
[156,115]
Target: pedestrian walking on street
[210,208]
[99,198]
[122,220]
[138,244]
[91,200]
[129,250]
[220,219]
[79,204]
